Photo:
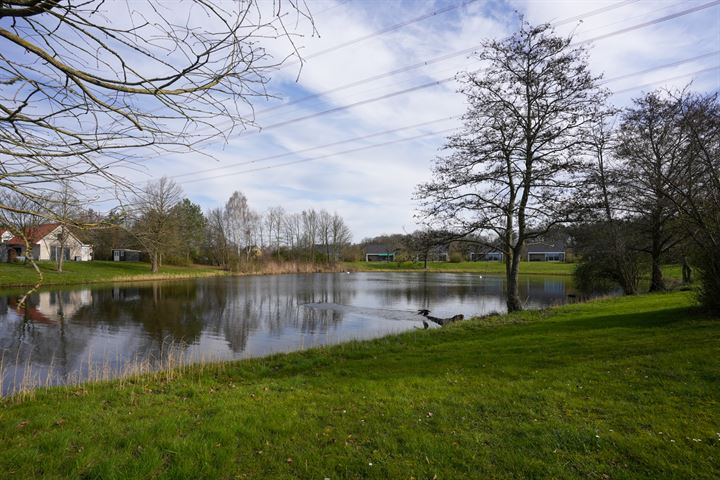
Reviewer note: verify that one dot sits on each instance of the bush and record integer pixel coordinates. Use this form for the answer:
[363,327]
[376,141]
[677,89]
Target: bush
[590,277]
[456,257]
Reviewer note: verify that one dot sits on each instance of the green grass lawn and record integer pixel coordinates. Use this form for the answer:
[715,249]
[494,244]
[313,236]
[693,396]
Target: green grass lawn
[542,268]
[617,389]
[16,274]
[526,268]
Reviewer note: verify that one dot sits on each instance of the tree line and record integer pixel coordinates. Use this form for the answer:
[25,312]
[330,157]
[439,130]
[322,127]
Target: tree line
[172,229]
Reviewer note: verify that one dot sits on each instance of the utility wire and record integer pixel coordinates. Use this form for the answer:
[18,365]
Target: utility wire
[417,125]
[429,134]
[448,79]
[305,150]
[382,31]
[407,139]
[431,61]
[669,79]
[352,150]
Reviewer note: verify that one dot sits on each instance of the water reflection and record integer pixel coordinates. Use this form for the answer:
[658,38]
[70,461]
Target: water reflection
[61,335]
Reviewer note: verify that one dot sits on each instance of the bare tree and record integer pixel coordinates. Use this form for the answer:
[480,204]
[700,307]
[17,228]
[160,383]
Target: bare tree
[21,224]
[324,234]
[66,209]
[293,231]
[241,224]
[156,224]
[340,235]
[514,167]
[650,144]
[274,219]
[309,231]
[607,243]
[217,238]
[86,86]
[695,188]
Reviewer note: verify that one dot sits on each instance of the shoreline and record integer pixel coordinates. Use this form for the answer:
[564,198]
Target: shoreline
[187,273]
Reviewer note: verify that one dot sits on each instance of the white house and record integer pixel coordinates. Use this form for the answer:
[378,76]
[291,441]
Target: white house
[46,244]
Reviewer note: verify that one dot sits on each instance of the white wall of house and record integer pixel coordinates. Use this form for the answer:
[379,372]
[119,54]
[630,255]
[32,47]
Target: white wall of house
[42,249]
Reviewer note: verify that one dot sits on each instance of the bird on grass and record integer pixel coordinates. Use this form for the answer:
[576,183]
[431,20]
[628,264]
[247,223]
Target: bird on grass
[440,321]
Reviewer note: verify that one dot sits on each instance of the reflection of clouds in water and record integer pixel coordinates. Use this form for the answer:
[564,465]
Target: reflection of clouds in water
[384,313]
[235,317]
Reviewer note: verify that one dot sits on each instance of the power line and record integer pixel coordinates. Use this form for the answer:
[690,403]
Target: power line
[431,61]
[382,31]
[669,79]
[394,72]
[445,80]
[624,30]
[657,20]
[667,65]
[352,150]
[408,127]
[367,147]
[305,150]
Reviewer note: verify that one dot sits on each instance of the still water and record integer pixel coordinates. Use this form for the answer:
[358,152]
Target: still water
[64,335]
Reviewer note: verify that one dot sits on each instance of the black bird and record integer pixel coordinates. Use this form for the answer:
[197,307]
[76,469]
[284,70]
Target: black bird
[440,321]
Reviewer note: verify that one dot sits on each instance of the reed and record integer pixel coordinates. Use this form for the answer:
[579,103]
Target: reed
[171,363]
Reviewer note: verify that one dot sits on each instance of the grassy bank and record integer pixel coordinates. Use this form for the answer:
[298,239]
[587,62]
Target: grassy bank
[672,272]
[97,271]
[532,268]
[624,388]
[16,274]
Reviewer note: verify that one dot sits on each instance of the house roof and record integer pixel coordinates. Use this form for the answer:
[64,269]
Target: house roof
[379,248]
[546,247]
[34,234]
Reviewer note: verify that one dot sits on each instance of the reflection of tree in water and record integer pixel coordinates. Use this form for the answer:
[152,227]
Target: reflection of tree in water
[272,303]
[39,332]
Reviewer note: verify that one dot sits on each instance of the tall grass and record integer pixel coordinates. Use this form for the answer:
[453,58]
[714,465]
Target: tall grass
[274,267]
[171,362]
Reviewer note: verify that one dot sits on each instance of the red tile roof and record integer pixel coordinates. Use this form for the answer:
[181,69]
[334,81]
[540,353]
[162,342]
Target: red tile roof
[34,234]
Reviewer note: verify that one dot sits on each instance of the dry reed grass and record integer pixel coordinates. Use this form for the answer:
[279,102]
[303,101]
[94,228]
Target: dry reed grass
[171,363]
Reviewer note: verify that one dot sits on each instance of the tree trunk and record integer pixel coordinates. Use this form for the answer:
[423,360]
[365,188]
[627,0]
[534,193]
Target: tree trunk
[686,271]
[154,262]
[657,284]
[513,295]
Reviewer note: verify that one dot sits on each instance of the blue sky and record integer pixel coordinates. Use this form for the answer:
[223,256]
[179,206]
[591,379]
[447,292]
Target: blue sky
[372,189]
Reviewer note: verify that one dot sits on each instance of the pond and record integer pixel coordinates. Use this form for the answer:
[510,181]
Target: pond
[71,334]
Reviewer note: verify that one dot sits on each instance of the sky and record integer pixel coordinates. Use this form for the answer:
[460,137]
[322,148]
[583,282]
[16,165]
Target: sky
[372,188]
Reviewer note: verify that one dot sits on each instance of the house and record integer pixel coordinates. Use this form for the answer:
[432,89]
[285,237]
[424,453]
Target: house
[547,250]
[45,241]
[377,252]
[487,256]
[126,255]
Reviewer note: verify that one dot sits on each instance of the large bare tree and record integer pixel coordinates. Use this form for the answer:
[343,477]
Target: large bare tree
[650,144]
[89,87]
[513,168]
